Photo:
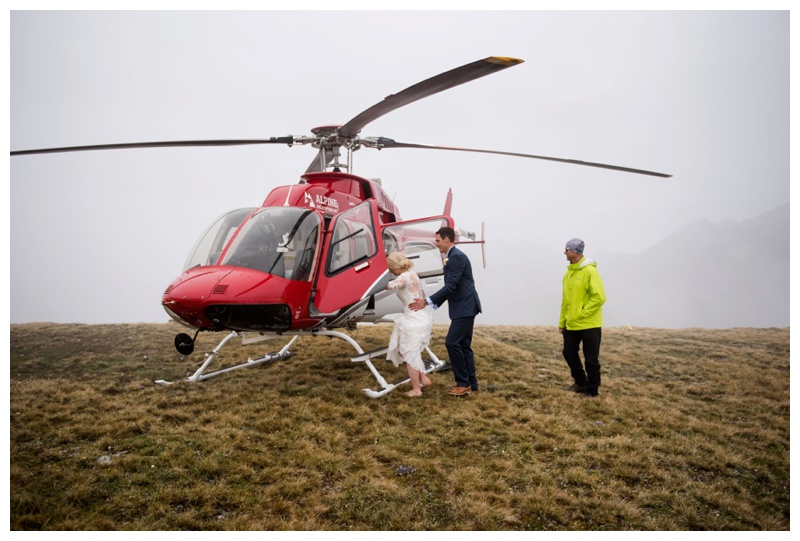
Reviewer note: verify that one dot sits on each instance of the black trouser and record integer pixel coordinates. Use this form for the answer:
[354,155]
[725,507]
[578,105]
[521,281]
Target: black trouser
[591,353]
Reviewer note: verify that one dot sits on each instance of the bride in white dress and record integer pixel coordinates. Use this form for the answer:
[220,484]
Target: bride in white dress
[412,330]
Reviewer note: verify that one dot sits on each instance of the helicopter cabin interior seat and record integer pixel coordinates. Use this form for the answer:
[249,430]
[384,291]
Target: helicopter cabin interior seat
[363,247]
[302,266]
[390,243]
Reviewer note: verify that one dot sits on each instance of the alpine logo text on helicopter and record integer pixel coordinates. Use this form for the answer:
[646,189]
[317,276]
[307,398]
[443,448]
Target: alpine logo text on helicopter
[323,203]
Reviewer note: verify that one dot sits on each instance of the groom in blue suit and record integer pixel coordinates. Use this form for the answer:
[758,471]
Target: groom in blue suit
[463,304]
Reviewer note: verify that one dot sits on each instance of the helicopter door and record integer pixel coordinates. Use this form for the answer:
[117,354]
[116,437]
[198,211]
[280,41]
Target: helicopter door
[416,239]
[353,259]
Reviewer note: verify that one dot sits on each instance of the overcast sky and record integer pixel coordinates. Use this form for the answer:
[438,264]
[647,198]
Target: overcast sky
[97,236]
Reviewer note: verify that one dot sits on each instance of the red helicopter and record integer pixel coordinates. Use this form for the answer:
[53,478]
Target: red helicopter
[312,258]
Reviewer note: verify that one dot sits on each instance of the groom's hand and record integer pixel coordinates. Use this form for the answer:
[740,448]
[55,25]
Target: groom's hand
[417,304]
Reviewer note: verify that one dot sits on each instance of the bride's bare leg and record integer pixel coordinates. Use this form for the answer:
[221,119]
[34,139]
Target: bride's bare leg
[423,379]
[413,374]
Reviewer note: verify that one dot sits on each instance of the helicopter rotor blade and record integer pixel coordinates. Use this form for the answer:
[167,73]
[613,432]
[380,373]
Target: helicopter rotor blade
[385,142]
[288,140]
[428,87]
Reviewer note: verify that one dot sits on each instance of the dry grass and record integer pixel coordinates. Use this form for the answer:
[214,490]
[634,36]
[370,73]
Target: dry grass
[690,432]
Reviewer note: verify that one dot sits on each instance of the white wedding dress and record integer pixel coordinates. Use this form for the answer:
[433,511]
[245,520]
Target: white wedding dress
[412,330]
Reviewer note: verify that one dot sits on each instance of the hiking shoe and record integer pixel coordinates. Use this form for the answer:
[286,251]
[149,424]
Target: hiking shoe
[575,388]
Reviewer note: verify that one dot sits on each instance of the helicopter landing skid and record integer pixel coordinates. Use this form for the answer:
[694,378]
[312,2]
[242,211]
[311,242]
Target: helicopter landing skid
[434,364]
[200,374]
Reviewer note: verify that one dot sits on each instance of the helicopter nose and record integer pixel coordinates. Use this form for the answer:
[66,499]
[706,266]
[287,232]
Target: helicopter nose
[185,297]
[232,298]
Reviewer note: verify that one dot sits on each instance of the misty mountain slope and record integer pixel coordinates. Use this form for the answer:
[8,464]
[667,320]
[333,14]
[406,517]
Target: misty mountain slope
[712,275]
[715,275]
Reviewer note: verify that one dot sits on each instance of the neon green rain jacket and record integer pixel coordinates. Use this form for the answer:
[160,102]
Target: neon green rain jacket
[583,297]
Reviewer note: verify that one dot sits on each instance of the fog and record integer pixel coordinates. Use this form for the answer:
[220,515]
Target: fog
[95,237]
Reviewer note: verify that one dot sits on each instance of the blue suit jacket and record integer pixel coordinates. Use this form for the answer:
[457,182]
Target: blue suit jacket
[459,287]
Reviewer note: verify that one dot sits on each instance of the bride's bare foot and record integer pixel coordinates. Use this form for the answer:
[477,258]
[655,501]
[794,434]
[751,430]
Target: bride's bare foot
[425,382]
[413,394]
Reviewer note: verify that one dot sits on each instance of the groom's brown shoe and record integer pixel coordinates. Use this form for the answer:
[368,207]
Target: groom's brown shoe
[460,391]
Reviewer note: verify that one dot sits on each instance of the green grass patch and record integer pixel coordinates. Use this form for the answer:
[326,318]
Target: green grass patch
[690,432]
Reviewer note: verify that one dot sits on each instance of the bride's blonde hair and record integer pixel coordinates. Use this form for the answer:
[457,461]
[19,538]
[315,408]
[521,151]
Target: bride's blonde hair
[398,261]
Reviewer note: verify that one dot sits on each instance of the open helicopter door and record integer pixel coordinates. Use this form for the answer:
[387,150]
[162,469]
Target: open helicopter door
[353,264]
[416,239]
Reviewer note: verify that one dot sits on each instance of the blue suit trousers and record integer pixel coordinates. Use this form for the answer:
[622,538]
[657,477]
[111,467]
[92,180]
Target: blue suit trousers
[459,348]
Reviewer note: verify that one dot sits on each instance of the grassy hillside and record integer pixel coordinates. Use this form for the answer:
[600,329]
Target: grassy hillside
[691,431]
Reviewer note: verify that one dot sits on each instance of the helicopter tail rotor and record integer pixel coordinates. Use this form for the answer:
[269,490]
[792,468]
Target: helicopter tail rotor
[472,240]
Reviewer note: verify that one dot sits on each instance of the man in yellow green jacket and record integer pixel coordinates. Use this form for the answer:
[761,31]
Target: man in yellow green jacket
[581,318]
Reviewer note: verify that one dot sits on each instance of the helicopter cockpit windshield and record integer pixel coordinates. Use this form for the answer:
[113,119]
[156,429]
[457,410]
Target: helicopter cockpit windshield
[277,240]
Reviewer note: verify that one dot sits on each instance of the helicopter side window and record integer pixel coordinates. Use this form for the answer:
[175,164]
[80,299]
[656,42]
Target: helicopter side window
[417,241]
[353,239]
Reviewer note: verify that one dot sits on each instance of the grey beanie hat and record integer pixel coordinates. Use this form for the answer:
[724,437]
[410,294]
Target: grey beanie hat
[576,245]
